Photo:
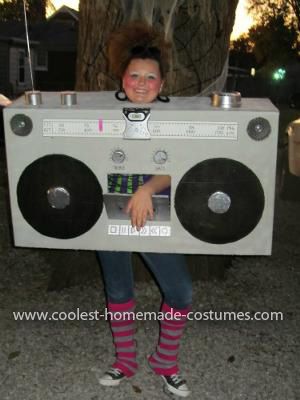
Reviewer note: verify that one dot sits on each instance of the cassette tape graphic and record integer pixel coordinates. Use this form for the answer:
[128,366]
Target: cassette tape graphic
[219,154]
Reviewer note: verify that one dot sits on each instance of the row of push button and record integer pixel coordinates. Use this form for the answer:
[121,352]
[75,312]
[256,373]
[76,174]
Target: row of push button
[128,230]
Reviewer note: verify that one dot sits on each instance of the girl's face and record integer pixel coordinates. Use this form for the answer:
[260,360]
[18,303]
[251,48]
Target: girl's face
[142,80]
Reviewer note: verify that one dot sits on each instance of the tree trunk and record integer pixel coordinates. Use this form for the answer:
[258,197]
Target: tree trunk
[199,29]
[201,40]
[97,19]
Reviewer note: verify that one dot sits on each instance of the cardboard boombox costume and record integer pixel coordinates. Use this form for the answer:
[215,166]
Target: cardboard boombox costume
[220,153]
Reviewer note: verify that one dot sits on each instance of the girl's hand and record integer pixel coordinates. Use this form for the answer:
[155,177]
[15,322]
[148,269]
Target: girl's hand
[4,101]
[140,207]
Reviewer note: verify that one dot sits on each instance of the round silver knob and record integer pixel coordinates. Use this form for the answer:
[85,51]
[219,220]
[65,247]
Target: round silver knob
[226,100]
[58,197]
[118,156]
[219,202]
[33,98]
[160,157]
[68,98]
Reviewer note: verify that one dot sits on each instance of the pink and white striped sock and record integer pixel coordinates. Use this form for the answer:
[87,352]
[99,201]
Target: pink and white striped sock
[123,329]
[164,360]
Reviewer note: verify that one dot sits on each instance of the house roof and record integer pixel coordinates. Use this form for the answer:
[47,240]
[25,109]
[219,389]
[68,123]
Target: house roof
[65,11]
[13,32]
[57,33]
[9,29]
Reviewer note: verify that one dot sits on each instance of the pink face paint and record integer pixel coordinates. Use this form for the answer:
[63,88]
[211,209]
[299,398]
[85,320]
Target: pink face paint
[149,84]
[100,124]
[128,81]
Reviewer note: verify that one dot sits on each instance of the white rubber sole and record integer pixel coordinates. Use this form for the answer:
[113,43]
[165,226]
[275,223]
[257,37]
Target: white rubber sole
[108,381]
[172,390]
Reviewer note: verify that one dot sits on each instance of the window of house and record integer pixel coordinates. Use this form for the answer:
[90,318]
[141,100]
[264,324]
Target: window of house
[41,60]
[21,77]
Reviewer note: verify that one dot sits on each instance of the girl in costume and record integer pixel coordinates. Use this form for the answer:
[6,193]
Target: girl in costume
[139,57]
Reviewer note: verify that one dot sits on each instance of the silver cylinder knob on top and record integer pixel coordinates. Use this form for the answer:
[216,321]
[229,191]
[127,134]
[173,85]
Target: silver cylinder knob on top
[68,98]
[33,98]
[226,100]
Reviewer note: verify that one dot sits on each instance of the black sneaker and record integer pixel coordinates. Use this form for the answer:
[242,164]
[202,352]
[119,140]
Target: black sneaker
[176,384]
[112,377]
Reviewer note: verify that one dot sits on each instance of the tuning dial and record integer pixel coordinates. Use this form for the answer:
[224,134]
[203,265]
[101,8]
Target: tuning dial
[118,156]
[160,157]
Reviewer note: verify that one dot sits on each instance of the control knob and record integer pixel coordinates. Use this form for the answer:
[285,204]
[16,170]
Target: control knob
[118,156]
[160,157]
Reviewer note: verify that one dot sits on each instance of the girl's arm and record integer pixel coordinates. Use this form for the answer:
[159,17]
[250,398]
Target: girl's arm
[140,205]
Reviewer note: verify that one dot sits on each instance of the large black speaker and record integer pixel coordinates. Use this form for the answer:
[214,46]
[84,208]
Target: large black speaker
[219,201]
[59,196]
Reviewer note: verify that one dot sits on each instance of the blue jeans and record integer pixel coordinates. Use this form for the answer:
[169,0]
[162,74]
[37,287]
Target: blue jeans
[169,270]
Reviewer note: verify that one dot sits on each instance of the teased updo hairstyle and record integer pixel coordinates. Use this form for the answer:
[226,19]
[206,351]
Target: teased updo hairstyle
[137,40]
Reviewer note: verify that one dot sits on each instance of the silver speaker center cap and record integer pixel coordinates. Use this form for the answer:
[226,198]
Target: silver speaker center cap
[58,197]
[219,202]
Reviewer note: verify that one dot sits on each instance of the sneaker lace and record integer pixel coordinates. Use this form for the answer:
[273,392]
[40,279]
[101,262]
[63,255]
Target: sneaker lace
[115,371]
[177,379]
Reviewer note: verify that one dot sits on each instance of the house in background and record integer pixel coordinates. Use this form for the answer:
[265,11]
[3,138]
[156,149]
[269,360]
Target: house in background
[55,55]
[14,69]
[53,44]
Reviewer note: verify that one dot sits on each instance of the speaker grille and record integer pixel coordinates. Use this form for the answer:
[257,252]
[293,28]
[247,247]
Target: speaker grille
[259,128]
[237,183]
[21,124]
[69,175]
